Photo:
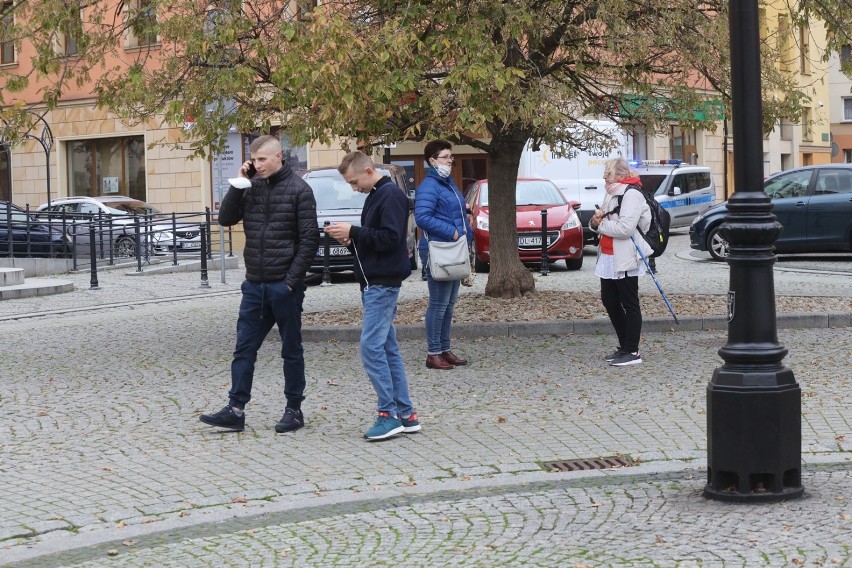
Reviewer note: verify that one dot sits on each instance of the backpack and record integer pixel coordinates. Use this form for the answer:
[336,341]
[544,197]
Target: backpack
[657,236]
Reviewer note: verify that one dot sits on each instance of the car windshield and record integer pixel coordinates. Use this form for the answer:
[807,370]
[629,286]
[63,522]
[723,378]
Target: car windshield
[335,194]
[18,216]
[132,208]
[529,193]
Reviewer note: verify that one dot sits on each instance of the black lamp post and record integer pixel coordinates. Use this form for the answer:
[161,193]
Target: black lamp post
[754,428]
[45,139]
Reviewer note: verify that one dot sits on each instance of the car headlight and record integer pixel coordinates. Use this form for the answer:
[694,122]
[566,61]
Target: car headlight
[572,223]
[163,236]
[481,223]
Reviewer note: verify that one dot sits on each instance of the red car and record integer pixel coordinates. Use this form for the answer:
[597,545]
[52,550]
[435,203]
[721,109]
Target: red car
[564,231]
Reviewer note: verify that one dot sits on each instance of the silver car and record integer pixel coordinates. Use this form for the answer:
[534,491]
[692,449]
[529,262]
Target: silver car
[117,216]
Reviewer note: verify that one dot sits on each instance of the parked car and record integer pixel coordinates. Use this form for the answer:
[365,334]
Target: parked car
[812,203]
[338,202]
[685,191]
[564,231]
[119,216]
[29,236]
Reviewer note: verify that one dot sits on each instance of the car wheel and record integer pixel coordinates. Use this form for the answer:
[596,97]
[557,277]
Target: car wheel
[574,263]
[60,251]
[125,247]
[717,246]
[478,265]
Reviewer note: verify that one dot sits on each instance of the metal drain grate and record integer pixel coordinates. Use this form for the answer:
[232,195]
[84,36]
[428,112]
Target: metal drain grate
[588,463]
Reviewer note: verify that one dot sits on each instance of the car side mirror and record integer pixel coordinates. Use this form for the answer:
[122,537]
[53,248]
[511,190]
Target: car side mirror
[674,191]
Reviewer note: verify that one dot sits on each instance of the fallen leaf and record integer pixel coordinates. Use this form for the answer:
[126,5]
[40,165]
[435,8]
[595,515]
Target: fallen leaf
[106,468]
[128,542]
[846,517]
[120,525]
[798,561]
[239,500]
[786,528]
[43,413]
[501,419]
[659,539]
[112,552]
[183,514]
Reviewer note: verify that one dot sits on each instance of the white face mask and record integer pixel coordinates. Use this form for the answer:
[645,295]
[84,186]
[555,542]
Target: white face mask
[443,170]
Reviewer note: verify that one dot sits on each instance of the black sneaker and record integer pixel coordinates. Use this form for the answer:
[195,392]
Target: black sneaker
[614,355]
[292,420]
[626,359]
[225,418]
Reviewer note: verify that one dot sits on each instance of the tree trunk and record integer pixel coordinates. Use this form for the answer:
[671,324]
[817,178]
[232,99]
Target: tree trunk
[508,278]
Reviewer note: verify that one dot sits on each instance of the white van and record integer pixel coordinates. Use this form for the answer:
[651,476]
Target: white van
[580,176]
[685,191]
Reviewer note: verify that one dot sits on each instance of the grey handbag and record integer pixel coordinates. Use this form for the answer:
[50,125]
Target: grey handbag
[449,261]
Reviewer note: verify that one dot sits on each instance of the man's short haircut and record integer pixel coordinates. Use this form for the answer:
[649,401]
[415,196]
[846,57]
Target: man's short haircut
[355,161]
[262,141]
[434,148]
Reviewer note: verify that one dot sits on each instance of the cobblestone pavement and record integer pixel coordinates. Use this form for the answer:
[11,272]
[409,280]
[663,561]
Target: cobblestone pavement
[102,453]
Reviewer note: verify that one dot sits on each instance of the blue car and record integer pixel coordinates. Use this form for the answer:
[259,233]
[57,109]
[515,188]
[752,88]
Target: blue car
[29,237]
[812,203]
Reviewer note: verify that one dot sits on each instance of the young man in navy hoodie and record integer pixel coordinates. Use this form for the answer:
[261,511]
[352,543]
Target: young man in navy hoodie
[381,255]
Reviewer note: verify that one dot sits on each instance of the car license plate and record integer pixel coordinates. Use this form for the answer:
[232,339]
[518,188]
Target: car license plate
[333,251]
[190,245]
[529,241]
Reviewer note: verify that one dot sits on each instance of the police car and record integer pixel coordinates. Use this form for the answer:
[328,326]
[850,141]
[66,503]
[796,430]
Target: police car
[685,191]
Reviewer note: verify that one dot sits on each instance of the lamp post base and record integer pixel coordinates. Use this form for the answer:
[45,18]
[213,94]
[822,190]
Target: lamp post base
[754,436]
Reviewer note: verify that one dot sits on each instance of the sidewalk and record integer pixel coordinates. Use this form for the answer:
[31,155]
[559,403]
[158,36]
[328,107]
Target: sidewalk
[102,453]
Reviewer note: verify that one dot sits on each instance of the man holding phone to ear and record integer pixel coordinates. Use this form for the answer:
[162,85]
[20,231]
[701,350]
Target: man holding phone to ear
[279,216]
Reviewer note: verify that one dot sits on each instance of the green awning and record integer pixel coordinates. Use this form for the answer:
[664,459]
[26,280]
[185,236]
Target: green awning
[634,106]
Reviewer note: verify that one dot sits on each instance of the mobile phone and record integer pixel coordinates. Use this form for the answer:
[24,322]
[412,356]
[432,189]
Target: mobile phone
[251,171]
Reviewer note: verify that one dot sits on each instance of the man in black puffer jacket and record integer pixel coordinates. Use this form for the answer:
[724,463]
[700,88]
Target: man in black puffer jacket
[279,216]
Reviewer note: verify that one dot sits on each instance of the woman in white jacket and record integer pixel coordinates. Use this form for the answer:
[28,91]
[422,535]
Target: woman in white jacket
[619,264]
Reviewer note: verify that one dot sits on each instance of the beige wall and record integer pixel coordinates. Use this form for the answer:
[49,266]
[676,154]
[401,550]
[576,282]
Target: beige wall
[174,181]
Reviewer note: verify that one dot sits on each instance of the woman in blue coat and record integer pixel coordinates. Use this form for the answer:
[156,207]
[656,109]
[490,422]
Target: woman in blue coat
[440,212]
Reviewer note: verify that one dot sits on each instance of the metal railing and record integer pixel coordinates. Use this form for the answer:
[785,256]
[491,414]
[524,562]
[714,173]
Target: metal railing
[106,240]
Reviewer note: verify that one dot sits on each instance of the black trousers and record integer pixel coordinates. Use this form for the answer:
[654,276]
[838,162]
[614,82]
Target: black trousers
[621,300]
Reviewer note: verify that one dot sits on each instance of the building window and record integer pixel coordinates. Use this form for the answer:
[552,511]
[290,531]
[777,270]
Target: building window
[5,173]
[7,48]
[847,156]
[807,124]
[845,54]
[783,43]
[70,39]
[107,166]
[847,108]
[142,25]
[682,144]
[804,50]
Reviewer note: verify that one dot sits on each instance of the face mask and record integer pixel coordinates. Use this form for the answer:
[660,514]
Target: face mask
[443,171]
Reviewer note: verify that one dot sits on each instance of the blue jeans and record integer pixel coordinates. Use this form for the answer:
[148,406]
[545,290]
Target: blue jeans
[439,311]
[263,305]
[380,351]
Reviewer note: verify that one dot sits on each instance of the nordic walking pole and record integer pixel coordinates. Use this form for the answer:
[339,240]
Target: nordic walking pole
[654,278]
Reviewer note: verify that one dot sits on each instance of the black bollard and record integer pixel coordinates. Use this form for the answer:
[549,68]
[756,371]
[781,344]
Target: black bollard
[93,279]
[204,282]
[138,241]
[545,261]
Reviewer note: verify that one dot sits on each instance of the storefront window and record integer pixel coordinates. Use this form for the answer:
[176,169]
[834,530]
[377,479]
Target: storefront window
[107,166]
